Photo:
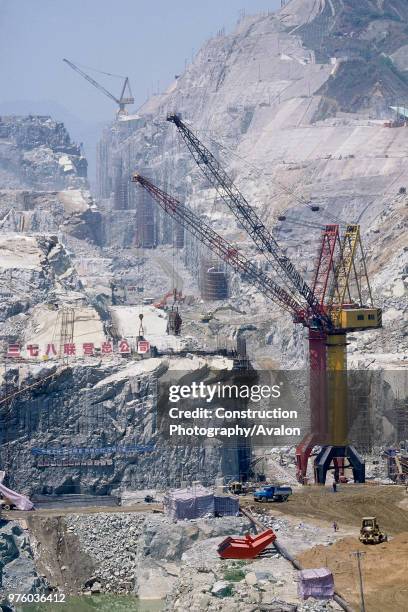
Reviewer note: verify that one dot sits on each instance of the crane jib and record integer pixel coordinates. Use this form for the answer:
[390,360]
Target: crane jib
[242,210]
[226,251]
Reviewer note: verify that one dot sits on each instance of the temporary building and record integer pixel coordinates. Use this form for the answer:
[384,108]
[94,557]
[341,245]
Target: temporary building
[197,501]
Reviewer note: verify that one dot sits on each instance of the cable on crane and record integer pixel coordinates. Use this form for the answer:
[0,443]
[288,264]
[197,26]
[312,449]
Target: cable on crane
[300,199]
[119,76]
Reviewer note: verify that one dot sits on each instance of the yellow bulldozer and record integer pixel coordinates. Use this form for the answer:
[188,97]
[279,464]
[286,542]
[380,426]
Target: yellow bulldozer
[370,533]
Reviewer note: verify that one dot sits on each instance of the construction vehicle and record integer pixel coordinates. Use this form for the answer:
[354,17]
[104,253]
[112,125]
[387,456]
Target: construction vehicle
[272,493]
[11,500]
[237,488]
[7,504]
[174,293]
[206,317]
[122,101]
[370,533]
[333,306]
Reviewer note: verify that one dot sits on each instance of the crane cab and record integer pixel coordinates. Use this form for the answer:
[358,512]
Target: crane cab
[358,319]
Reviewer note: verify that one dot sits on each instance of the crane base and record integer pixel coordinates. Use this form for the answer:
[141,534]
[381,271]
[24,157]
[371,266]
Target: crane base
[331,456]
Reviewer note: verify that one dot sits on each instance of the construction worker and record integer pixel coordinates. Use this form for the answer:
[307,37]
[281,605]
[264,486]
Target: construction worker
[334,486]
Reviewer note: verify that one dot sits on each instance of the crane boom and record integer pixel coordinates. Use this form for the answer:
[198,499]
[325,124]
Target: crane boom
[92,81]
[122,101]
[226,251]
[243,211]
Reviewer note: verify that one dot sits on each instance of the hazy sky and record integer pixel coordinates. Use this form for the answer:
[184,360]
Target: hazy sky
[148,40]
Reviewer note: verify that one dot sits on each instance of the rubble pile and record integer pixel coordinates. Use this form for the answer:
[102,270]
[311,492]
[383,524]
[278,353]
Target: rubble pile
[140,552]
[206,583]
[156,558]
[112,541]
[18,572]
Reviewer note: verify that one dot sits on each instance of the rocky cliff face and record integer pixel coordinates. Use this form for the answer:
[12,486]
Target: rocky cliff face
[18,572]
[43,180]
[37,153]
[262,99]
[96,406]
[33,270]
[293,105]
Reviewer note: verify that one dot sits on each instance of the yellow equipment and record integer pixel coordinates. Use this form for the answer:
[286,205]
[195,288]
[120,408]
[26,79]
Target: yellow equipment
[237,488]
[370,533]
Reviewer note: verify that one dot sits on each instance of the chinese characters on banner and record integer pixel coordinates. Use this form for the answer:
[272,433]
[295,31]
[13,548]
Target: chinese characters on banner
[71,349]
[143,347]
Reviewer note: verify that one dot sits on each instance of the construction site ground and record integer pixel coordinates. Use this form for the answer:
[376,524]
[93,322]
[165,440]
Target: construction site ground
[389,503]
[384,566]
[14,515]
[384,570]
[307,507]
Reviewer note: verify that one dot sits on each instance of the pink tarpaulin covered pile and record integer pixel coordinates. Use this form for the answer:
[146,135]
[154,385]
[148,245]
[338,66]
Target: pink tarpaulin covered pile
[21,502]
[316,583]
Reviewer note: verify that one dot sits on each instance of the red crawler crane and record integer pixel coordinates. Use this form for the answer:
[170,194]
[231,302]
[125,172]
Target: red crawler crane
[322,309]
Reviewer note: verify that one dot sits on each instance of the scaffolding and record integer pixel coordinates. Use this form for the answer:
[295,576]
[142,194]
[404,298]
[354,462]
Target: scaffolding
[120,187]
[146,237]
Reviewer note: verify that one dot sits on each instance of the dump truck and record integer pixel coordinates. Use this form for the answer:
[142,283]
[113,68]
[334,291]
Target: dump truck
[272,493]
[370,533]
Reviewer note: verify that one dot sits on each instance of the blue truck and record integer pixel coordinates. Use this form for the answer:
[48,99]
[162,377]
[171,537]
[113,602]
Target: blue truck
[272,493]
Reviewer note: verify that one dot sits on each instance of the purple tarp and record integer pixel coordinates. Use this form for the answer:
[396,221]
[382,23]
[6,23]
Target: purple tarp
[189,503]
[316,583]
[225,505]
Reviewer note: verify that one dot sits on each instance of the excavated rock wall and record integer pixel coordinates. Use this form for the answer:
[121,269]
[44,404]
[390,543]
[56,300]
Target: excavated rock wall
[98,405]
[255,98]
[43,175]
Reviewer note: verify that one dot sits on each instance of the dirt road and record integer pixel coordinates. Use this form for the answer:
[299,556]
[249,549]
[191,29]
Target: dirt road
[349,505]
[384,566]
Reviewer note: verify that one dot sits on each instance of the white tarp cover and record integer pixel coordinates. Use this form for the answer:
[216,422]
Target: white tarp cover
[189,503]
[21,502]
